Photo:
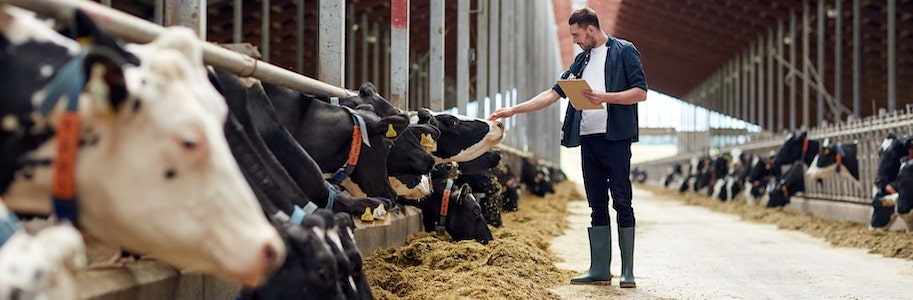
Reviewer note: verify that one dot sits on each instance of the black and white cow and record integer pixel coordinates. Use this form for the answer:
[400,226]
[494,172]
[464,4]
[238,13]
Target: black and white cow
[480,174]
[674,171]
[787,186]
[903,187]
[797,147]
[638,175]
[410,161]
[153,172]
[730,186]
[462,214]
[510,184]
[760,175]
[890,155]
[537,178]
[462,138]
[838,158]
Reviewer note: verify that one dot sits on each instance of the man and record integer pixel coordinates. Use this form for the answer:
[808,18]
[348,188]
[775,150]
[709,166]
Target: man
[613,70]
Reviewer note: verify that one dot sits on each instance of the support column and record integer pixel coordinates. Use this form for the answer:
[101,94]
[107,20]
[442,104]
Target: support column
[494,27]
[436,56]
[806,65]
[187,13]
[264,30]
[462,56]
[819,81]
[399,53]
[857,59]
[792,66]
[838,54]
[892,56]
[481,57]
[332,48]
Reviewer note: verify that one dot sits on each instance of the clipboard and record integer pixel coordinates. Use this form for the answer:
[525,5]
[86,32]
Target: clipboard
[574,88]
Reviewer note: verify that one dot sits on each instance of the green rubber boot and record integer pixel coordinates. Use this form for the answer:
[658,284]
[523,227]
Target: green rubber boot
[600,257]
[626,243]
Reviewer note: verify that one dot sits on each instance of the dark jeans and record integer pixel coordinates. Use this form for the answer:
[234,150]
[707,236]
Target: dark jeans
[606,167]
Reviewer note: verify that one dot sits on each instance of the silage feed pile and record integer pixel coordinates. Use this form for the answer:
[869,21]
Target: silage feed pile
[515,265]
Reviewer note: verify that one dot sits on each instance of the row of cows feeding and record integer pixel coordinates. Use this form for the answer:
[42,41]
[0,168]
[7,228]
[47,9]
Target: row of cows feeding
[773,179]
[146,149]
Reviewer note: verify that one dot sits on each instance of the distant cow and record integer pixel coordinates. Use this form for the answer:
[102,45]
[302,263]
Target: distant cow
[638,175]
[674,171]
[151,159]
[797,147]
[903,186]
[537,178]
[838,158]
[892,152]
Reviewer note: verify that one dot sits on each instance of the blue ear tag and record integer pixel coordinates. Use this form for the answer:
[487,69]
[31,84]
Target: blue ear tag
[297,216]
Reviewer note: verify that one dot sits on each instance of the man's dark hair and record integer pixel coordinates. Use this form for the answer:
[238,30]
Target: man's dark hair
[584,17]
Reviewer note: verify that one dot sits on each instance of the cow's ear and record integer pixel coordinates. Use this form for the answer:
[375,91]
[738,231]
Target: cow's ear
[424,116]
[367,89]
[105,79]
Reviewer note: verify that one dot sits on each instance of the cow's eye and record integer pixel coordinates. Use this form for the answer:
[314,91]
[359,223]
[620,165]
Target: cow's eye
[189,143]
[170,174]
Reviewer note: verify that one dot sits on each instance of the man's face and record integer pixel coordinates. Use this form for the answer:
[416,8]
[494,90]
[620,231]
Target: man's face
[583,36]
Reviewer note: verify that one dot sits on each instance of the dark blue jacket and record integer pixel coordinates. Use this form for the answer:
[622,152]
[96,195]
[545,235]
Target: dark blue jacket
[623,71]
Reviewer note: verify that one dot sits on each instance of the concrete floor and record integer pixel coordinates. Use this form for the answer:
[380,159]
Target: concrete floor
[689,252]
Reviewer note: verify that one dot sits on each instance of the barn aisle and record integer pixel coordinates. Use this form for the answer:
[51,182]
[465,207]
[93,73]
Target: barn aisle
[691,252]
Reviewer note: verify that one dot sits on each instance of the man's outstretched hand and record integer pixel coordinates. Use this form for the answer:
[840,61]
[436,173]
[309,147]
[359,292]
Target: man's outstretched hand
[501,113]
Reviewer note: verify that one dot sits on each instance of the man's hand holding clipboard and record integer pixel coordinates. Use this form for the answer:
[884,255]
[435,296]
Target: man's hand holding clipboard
[574,88]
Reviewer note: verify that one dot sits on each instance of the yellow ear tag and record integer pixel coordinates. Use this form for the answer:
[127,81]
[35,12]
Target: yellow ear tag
[367,217]
[100,91]
[391,133]
[827,151]
[86,40]
[428,143]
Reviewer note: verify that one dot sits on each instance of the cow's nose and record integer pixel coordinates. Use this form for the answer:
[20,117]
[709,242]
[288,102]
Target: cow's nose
[270,258]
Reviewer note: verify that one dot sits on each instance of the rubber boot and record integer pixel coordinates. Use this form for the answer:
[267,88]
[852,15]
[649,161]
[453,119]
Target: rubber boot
[626,243]
[600,257]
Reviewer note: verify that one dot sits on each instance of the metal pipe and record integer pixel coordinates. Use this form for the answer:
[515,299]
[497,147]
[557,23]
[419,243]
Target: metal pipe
[375,55]
[158,13]
[136,30]
[299,36]
[770,81]
[348,29]
[238,21]
[838,54]
[399,53]
[857,59]
[806,64]
[436,56]
[462,56]
[264,30]
[892,56]
[363,28]
[494,61]
[792,78]
[331,34]
[781,120]
[822,75]
[481,57]
[188,13]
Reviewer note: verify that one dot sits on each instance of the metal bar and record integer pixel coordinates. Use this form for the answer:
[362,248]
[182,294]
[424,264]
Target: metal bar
[481,57]
[759,80]
[822,75]
[159,11]
[188,13]
[106,3]
[892,56]
[857,58]
[375,55]
[792,79]
[264,30]
[770,81]
[805,64]
[462,56]
[385,42]
[494,27]
[363,28]
[349,31]
[436,56]
[237,21]
[781,120]
[399,53]
[838,53]
[332,33]
[299,36]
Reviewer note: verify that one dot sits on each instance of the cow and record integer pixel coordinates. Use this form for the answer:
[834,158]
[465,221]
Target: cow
[890,155]
[638,175]
[310,271]
[903,187]
[674,170]
[480,175]
[760,173]
[695,167]
[837,158]
[285,172]
[410,161]
[462,138]
[43,265]
[536,178]
[787,186]
[730,186]
[152,161]
[326,132]
[453,208]
[510,186]
[797,147]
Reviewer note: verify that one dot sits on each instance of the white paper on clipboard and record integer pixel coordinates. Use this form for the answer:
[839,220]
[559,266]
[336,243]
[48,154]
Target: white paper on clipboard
[574,88]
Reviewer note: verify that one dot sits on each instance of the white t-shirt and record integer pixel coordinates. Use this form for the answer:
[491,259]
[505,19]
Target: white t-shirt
[594,120]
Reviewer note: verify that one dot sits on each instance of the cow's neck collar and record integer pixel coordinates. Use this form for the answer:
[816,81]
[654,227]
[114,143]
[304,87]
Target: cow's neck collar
[359,136]
[69,80]
[445,206]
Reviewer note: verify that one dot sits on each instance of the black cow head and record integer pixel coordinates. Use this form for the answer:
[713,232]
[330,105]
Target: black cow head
[486,161]
[796,147]
[536,178]
[462,138]
[310,270]
[409,155]
[837,158]
[889,155]
[791,183]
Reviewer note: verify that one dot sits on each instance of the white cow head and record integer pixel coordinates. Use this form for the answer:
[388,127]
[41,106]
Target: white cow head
[155,175]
